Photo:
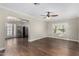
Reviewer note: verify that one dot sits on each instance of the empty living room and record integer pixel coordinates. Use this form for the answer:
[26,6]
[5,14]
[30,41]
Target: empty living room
[39,29]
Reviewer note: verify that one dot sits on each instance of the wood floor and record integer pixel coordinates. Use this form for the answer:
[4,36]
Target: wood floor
[42,47]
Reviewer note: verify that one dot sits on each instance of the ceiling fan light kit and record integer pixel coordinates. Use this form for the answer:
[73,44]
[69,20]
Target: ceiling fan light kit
[49,15]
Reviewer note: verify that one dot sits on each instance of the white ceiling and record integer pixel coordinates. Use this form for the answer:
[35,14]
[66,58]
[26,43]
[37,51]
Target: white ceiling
[64,10]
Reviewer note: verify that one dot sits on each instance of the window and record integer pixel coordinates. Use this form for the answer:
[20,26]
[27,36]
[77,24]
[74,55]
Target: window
[9,29]
[59,28]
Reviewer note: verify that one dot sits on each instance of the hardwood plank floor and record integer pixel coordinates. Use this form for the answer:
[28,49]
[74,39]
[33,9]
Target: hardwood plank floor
[42,47]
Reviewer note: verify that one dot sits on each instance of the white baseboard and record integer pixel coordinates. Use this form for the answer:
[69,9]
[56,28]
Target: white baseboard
[31,40]
[54,37]
[65,39]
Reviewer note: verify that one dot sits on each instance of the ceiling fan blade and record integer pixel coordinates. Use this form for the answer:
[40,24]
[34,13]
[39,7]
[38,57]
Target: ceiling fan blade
[53,15]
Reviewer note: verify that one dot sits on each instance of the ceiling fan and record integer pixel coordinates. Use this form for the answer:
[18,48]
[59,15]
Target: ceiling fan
[50,14]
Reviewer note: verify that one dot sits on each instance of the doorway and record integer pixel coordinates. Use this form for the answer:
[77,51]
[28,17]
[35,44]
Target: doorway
[25,32]
[10,30]
[22,32]
[16,31]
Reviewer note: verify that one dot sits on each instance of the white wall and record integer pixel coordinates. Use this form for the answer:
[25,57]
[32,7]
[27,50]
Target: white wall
[37,30]
[78,29]
[73,29]
[72,32]
[2,32]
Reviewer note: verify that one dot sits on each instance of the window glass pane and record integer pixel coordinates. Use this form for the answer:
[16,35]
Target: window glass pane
[9,29]
[59,28]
